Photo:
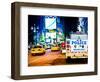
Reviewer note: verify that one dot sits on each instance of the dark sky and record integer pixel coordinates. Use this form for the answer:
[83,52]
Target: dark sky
[70,24]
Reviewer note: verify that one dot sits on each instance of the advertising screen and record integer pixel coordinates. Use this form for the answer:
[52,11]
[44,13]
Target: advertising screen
[47,40]
[50,23]
[51,35]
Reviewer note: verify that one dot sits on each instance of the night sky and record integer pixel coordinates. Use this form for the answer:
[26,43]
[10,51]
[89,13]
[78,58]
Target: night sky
[70,24]
[31,21]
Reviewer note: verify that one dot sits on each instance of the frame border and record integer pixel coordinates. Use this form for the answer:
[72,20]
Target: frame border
[15,40]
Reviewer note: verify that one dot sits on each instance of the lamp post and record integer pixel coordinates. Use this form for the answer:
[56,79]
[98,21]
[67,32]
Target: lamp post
[34,37]
[37,34]
[33,29]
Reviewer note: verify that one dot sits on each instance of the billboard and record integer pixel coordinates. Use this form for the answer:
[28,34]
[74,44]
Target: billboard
[50,22]
[48,40]
[50,35]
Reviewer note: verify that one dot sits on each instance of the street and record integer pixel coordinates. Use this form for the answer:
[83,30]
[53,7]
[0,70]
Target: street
[53,58]
[49,58]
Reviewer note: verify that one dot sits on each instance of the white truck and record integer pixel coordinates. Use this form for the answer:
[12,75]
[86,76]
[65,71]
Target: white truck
[77,46]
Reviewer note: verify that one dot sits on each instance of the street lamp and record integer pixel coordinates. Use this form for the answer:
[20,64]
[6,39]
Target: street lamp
[31,27]
[37,34]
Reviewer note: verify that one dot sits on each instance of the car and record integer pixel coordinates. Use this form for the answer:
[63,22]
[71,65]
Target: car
[47,46]
[63,50]
[37,50]
[55,48]
[63,45]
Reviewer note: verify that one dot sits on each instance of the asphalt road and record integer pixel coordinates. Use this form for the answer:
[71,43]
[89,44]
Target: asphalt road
[53,58]
[49,58]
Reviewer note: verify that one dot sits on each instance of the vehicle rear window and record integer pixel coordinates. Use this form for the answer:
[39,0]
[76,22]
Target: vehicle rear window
[37,47]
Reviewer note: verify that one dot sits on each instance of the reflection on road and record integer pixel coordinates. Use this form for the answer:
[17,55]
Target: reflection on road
[52,58]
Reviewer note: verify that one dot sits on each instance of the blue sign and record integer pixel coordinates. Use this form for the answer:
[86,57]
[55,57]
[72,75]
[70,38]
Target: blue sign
[78,45]
[79,42]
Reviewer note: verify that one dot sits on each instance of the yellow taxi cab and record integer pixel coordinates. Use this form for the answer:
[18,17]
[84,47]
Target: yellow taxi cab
[55,48]
[37,50]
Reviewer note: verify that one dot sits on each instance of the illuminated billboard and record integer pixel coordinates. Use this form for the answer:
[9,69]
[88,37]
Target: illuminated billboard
[51,35]
[48,40]
[50,22]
